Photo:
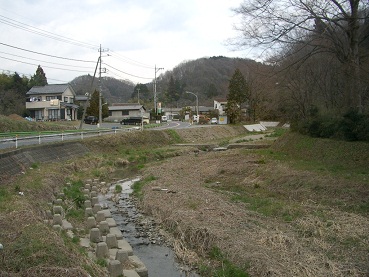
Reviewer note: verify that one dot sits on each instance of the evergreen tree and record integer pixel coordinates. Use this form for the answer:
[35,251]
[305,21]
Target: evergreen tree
[93,108]
[39,78]
[238,94]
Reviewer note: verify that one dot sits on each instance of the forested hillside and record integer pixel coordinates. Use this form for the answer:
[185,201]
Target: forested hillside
[113,90]
[207,77]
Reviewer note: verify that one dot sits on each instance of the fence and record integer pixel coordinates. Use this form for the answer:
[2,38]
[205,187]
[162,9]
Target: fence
[22,140]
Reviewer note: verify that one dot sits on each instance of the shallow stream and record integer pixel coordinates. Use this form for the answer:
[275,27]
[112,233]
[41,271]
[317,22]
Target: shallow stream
[141,233]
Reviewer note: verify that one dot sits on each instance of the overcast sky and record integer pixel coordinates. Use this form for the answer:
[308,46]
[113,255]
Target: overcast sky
[138,33]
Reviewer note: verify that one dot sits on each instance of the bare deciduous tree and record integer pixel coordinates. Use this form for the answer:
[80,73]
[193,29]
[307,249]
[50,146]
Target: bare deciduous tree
[335,26]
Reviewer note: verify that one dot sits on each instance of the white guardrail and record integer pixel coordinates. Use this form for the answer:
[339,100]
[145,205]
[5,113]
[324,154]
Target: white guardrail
[17,141]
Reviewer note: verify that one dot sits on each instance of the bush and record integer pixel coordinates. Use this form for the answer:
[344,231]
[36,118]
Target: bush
[352,126]
[355,126]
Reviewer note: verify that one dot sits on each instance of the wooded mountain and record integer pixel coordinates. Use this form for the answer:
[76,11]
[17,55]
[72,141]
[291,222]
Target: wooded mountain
[207,77]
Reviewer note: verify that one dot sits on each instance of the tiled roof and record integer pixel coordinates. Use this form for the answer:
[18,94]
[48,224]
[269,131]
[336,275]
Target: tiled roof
[49,89]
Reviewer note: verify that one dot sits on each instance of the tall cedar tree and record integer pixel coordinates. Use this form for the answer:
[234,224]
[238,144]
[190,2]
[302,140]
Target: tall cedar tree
[39,78]
[93,108]
[238,94]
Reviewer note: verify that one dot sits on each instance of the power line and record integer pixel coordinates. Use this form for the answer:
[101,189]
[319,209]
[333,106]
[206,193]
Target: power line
[128,60]
[127,73]
[42,65]
[69,59]
[44,61]
[30,75]
[31,29]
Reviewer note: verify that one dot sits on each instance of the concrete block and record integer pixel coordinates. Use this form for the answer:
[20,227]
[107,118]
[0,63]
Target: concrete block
[67,225]
[107,213]
[58,210]
[111,241]
[91,222]
[93,194]
[58,202]
[111,222]
[115,268]
[57,228]
[125,246]
[86,192]
[140,268]
[94,188]
[130,273]
[95,235]
[116,232]
[104,228]
[88,186]
[57,219]
[89,212]
[94,200]
[96,208]
[100,216]
[102,250]
[122,256]
[88,204]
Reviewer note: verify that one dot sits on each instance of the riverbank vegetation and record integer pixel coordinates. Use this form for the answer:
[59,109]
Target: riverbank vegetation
[232,213]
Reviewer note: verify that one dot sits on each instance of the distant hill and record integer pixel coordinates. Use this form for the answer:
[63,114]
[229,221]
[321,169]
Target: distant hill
[207,77]
[113,90]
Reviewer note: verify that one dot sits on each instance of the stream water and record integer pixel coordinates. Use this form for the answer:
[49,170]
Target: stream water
[141,233]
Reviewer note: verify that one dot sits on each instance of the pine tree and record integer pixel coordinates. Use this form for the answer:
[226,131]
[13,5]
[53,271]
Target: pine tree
[238,95]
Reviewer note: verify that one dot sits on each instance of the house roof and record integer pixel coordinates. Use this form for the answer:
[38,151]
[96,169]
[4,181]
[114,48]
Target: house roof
[49,89]
[125,106]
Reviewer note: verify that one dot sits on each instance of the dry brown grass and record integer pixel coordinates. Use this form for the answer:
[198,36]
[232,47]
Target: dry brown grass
[322,240]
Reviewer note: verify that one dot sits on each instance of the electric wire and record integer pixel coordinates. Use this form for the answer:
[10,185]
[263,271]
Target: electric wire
[84,71]
[52,56]
[44,61]
[30,75]
[127,73]
[31,29]
[128,60]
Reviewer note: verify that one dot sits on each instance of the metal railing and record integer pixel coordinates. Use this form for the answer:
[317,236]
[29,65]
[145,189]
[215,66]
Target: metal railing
[18,140]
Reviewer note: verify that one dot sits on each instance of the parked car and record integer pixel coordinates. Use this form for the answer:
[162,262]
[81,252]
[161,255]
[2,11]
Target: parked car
[214,120]
[134,121]
[91,120]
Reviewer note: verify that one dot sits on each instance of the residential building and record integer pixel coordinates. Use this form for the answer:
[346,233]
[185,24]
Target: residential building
[52,102]
[220,105]
[119,111]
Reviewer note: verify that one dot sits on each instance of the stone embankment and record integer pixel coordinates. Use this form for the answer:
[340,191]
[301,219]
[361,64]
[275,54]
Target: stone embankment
[103,240]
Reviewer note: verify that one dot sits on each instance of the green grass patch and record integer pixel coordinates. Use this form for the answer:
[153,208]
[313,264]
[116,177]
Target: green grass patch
[118,188]
[175,138]
[75,194]
[224,269]
[137,186]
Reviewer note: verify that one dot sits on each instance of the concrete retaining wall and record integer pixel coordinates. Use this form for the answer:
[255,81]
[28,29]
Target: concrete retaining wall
[14,162]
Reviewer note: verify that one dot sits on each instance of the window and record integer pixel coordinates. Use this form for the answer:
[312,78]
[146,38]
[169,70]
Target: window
[125,112]
[53,114]
[66,99]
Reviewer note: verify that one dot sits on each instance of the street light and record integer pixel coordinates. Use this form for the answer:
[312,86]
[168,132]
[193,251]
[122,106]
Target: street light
[197,105]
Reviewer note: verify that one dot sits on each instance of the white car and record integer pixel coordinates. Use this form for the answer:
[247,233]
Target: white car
[214,121]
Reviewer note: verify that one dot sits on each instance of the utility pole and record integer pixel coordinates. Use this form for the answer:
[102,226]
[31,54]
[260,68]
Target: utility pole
[100,86]
[155,100]
[138,95]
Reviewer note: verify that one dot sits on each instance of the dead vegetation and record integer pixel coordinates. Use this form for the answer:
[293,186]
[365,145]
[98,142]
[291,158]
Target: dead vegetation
[269,214]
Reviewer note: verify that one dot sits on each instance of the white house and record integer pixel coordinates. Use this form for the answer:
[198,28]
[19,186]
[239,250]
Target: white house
[220,105]
[52,102]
